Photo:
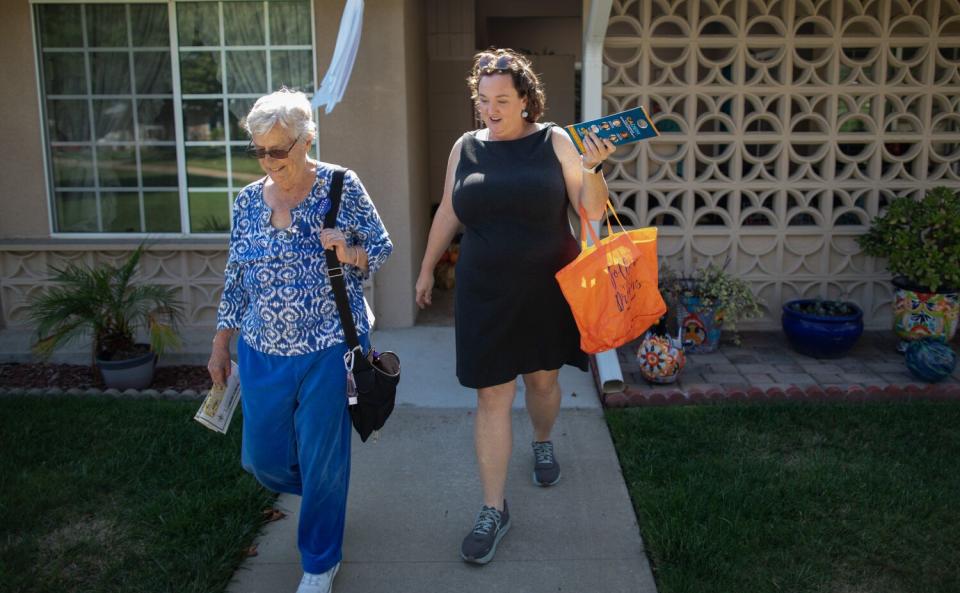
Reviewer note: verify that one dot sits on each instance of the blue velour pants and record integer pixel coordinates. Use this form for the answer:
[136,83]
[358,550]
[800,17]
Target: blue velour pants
[296,439]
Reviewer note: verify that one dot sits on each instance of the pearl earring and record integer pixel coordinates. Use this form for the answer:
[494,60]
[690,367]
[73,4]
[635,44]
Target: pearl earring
[524,114]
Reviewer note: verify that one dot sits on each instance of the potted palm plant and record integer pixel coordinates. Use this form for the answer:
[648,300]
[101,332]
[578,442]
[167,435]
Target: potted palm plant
[105,304]
[921,241]
[706,302]
[822,328]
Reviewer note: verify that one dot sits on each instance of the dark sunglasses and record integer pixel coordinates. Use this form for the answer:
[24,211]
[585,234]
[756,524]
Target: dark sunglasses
[275,153]
[492,62]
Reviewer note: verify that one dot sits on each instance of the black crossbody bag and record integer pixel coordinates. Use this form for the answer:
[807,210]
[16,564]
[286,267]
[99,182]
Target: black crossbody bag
[372,378]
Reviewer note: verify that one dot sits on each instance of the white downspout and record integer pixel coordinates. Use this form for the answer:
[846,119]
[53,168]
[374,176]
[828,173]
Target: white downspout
[596,16]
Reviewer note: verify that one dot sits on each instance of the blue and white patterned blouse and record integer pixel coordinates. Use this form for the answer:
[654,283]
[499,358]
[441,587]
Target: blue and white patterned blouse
[276,287]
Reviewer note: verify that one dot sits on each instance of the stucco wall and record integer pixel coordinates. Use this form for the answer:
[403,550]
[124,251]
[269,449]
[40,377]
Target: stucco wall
[24,212]
[379,131]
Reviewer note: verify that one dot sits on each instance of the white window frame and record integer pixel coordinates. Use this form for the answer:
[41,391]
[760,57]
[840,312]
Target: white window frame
[179,140]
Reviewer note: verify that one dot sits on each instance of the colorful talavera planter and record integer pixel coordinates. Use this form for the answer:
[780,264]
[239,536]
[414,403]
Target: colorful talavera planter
[919,314]
[700,325]
[661,358]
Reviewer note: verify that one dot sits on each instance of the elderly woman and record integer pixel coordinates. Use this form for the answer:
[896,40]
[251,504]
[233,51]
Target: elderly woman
[278,297]
[509,184]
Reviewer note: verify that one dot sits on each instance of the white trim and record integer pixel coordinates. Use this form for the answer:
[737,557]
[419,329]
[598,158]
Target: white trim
[178,131]
[597,16]
[316,84]
[44,140]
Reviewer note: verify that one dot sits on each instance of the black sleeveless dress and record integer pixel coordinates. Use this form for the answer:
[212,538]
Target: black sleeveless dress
[511,317]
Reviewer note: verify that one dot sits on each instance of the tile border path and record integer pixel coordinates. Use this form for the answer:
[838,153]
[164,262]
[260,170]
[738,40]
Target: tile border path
[764,368]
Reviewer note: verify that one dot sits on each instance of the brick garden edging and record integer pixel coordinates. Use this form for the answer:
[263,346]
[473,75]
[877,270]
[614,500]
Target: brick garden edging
[168,394]
[633,396]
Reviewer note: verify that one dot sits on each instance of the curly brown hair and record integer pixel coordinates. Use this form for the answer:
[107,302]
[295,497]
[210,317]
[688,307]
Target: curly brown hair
[525,80]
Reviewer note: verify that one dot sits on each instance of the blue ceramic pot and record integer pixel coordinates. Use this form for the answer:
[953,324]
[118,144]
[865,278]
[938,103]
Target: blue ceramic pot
[821,337]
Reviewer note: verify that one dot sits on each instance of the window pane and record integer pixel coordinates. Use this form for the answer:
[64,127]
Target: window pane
[158,165]
[106,25]
[206,166]
[243,23]
[155,119]
[63,74]
[149,22]
[290,23]
[200,72]
[203,119]
[67,121]
[120,212]
[152,71]
[161,212]
[72,166]
[246,170]
[239,108]
[117,166]
[247,72]
[111,73]
[60,25]
[114,120]
[76,212]
[293,68]
[198,23]
[209,212]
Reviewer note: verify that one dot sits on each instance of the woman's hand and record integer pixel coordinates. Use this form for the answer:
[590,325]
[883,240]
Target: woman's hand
[334,239]
[219,364]
[596,150]
[424,289]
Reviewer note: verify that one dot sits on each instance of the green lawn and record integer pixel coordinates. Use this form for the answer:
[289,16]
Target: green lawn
[101,494]
[796,498]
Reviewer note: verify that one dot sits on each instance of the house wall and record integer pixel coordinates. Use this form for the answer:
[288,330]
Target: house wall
[379,131]
[24,211]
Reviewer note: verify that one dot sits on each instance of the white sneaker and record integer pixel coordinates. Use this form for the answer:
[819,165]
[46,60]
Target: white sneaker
[318,583]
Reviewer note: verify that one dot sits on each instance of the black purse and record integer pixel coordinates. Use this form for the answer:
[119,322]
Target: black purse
[372,378]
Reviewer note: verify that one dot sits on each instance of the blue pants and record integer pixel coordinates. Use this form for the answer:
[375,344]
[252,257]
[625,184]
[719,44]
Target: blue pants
[296,439]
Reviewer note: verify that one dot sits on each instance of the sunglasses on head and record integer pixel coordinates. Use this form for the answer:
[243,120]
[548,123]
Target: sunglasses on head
[492,62]
[275,153]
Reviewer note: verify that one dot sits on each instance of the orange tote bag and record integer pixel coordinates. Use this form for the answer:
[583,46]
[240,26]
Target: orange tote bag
[612,286]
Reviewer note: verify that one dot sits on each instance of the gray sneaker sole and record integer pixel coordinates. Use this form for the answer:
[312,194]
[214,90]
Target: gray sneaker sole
[493,549]
[537,482]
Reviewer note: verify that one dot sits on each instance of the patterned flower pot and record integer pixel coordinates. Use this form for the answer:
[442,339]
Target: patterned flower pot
[930,360]
[661,358]
[920,314]
[700,325]
[820,336]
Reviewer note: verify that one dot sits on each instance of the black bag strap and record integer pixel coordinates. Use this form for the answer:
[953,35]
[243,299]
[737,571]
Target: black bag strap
[334,267]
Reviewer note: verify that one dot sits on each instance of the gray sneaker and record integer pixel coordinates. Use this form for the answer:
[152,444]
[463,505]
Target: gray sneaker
[546,470]
[481,544]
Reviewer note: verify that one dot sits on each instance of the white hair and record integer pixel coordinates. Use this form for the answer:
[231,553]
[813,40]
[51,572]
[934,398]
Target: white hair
[290,109]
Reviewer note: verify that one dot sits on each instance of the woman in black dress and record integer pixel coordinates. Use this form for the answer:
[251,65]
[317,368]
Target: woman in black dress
[509,184]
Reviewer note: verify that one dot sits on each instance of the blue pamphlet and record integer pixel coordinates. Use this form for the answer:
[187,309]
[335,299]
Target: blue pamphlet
[620,128]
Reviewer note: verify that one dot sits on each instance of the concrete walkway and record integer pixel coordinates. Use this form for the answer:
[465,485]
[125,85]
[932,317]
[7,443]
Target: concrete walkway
[415,493]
